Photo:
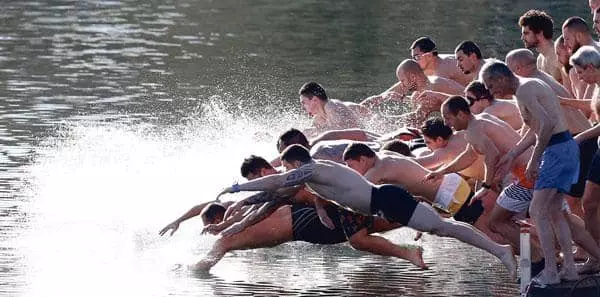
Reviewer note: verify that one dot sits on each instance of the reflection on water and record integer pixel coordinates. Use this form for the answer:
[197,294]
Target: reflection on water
[116,116]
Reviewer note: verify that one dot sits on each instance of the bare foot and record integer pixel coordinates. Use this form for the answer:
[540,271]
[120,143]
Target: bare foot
[416,257]
[509,262]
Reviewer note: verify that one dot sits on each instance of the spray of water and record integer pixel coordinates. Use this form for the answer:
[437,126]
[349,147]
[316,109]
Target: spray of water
[99,193]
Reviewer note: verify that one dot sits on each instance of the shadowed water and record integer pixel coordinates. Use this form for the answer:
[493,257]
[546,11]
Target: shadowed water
[117,116]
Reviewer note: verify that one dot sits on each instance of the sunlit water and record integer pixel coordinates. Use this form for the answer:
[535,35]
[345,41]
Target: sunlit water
[117,116]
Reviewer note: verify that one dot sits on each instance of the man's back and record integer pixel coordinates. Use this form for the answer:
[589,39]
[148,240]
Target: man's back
[507,111]
[532,89]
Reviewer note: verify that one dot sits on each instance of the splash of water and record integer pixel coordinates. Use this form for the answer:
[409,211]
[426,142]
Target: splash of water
[99,193]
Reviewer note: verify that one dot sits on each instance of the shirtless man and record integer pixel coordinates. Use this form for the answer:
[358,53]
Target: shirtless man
[452,194]
[445,146]
[554,161]
[536,32]
[328,114]
[490,137]
[411,78]
[480,100]
[469,59]
[520,62]
[296,222]
[563,55]
[586,62]
[424,51]
[577,34]
[342,185]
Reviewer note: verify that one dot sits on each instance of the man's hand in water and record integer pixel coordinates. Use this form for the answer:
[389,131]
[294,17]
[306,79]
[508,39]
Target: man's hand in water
[173,226]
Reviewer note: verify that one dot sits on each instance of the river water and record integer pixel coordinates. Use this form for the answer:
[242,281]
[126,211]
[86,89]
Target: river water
[117,116]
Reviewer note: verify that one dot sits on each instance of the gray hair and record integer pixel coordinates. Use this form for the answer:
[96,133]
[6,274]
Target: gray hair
[493,70]
[586,55]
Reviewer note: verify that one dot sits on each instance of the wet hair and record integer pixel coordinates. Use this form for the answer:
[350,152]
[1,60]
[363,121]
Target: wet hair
[586,55]
[254,164]
[356,150]
[313,89]
[456,104]
[577,24]
[479,90]
[434,128]
[292,136]
[397,146]
[538,21]
[425,44]
[469,47]
[211,211]
[495,70]
[296,152]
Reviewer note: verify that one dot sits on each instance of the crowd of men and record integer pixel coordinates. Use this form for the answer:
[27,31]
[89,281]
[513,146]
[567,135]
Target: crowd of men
[517,140]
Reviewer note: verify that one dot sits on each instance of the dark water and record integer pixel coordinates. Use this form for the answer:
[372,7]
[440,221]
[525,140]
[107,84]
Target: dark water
[110,103]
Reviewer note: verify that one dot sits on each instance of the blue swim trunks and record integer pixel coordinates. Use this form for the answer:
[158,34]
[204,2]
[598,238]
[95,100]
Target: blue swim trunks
[559,168]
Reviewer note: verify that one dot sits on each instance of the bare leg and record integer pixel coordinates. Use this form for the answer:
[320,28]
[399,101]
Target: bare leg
[563,234]
[501,222]
[274,230]
[427,220]
[378,245]
[544,208]
[591,200]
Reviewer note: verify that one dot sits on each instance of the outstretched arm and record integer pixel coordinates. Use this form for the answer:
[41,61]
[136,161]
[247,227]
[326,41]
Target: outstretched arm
[252,218]
[276,181]
[193,212]
[464,160]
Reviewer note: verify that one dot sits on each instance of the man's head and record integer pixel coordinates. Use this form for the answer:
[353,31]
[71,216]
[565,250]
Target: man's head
[521,62]
[254,167]
[289,137]
[498,79]
[436,133]
[536,25]
[479,96]
[576,32]
[596,20]
[586,61]
[212,214]
[359,157]
[312,95]
[423,50]
[410,74]
[295,156]
[468,56]
[397,146]
[562,52]
[594,5]
[456,113]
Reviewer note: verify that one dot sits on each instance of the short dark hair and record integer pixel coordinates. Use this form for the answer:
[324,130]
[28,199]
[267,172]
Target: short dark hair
[479,90]
[537,21]
[469,47]
[292,136]
[313,89]
[578,24]
[254,164]
[296,152]
[456,104]
[434,128]
[397,146]
[211,211]
[356,150]
[425,44]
